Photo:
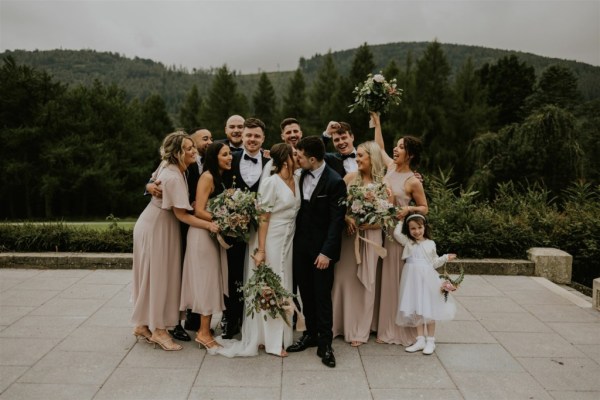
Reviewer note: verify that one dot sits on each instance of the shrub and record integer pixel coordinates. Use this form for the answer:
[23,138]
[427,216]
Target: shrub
[61,237]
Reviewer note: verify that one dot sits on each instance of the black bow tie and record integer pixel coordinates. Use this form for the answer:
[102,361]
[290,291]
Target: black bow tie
[247,157]
[309,173]
[351,155]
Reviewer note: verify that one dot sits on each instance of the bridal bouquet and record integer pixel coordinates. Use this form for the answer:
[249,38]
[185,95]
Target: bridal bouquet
[449,284]
[368,204]
[376,94]
[235,211]
[264,292]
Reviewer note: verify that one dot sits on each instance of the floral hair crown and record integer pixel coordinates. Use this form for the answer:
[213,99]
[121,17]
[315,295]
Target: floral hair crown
[415,216]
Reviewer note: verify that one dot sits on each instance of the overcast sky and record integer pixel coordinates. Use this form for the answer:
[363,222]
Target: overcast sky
[272,35]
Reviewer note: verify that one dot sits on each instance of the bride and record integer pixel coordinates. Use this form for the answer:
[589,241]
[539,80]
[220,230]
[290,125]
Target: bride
[279,193]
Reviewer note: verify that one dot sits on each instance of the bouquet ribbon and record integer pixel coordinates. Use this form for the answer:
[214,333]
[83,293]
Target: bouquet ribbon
[367,275]
[224,270]
[222,242]
[290,309]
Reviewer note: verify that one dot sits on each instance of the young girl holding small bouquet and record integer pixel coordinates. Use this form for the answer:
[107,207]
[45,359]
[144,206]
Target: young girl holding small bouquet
[420,301]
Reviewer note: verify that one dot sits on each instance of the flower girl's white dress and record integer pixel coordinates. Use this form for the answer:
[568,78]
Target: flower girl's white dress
[420,299]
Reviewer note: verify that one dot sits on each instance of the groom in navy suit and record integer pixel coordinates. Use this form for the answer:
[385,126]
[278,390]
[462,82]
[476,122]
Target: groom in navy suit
[317,244]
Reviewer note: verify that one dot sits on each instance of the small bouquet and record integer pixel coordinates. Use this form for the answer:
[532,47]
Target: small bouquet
[376,94]
[368,204]
[264,292]
[449,284]
[235,211]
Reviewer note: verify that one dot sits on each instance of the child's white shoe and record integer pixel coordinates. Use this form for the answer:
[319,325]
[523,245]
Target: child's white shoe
[429,347]
[416,346]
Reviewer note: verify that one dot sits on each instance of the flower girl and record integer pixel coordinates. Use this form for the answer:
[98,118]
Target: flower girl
[420,301]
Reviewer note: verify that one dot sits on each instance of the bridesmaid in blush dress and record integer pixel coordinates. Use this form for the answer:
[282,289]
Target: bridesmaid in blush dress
[409,196]
[205,262]
[157,246]
[354,289]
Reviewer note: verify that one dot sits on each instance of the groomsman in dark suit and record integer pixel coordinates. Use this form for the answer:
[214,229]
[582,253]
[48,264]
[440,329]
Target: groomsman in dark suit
[246,169]
[344,160]
[317,244]
[234,127]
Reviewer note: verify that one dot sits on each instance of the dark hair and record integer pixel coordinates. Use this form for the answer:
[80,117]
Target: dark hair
[419,218]
[211,164]
[194,130]
[254,123]
[312,146]
[288,121]
[344,128]
[280,153]
[413,147]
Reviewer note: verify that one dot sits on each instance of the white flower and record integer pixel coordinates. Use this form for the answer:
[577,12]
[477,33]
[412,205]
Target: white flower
[378,78]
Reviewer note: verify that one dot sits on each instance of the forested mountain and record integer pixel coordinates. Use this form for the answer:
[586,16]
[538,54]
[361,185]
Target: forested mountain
[141,78]
[80,129]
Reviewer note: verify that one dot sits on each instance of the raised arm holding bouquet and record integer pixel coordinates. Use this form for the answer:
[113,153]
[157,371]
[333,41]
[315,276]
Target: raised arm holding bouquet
[376,94]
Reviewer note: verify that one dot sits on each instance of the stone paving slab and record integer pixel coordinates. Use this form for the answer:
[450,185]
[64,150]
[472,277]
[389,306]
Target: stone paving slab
[65,334]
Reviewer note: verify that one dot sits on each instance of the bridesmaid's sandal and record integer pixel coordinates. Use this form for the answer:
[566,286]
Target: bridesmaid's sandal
[356,343]
[208,345]
[166,344]
[283,353]
[142,333]
[379,341]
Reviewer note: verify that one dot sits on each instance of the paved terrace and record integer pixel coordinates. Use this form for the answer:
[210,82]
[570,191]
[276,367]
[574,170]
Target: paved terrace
[65,334]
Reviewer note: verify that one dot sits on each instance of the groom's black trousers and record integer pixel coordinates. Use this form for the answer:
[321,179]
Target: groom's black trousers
[315,290]
[234,303]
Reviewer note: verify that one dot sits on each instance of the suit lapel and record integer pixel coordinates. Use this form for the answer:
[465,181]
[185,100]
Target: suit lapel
[320,184]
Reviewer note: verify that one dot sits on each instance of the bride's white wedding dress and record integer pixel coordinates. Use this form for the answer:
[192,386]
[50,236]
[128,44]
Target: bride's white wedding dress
[274,334]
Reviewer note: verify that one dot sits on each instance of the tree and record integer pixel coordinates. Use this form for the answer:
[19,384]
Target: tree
[27,105]
[322,96]
[154,118]
[557,86]
[294,101]
[528,153]
[223,100]
[265,105]
[362,65]
[433,104]
[508,82]
[471,117]
[189,113]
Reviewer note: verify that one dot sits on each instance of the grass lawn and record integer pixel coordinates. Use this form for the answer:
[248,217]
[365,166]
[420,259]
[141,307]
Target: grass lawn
[99,225]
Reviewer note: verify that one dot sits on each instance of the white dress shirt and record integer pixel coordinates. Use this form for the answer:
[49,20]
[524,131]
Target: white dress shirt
[311,180]
[251,171]
[350,163]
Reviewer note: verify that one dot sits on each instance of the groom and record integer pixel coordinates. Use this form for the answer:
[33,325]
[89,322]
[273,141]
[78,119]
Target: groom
[317,243]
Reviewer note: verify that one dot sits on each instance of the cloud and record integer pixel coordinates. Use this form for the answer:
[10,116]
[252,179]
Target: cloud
[270,35]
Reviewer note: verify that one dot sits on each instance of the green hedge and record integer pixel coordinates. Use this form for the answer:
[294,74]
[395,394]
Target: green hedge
[61,237]
[516,220]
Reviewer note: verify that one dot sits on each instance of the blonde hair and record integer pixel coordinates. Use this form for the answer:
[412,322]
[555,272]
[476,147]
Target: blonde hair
[377,164]
[172,150]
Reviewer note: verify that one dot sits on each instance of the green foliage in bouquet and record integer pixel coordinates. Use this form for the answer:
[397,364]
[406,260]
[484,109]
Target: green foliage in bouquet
[235,211]
[449,284]
[264,292]
[376,94]
[368,204]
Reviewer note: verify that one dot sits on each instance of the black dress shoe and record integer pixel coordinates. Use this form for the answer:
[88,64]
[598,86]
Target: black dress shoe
[302,344]
[192,321]
[180,334]
[229,330]
[326,354]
